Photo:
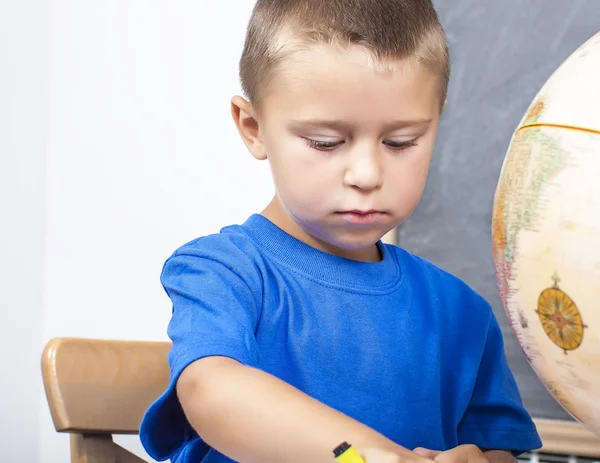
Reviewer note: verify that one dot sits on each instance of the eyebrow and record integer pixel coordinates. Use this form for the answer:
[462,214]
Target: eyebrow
[341,125]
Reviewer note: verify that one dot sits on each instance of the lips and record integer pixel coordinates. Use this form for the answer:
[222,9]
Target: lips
[362,217]
[361,212]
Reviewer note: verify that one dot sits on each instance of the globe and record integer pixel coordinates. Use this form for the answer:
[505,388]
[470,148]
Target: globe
[546,234]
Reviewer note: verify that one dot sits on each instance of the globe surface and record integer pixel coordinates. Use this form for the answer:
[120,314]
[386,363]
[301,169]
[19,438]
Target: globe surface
[546,234]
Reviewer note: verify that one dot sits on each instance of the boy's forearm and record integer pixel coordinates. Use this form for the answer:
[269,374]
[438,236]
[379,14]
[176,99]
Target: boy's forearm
[251,416]
[499,456]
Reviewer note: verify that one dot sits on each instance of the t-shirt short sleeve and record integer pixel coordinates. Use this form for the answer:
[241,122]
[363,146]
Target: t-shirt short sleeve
[496,418]
[215,313]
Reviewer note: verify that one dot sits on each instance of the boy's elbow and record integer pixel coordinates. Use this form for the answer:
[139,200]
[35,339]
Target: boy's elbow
[200,389]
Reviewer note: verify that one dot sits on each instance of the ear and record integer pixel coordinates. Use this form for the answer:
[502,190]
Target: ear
[246,122]
[443,108]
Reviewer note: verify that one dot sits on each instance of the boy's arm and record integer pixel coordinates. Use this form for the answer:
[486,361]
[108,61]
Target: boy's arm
[467,454]
[251,416]
[500,456]
[496,419]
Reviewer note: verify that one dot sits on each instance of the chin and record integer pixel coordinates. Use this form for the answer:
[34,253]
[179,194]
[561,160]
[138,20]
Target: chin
[347,239]
[352,242]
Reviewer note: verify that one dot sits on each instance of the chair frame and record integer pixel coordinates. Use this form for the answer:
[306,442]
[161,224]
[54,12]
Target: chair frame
[98,388]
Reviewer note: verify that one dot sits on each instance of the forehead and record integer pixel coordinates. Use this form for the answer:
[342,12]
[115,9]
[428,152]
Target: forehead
[348,83]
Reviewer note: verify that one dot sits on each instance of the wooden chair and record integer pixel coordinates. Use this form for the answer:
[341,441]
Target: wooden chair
[98,388]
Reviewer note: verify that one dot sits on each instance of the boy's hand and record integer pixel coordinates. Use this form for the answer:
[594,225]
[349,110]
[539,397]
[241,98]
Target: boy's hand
[460,454]
[467,453]
[386,456]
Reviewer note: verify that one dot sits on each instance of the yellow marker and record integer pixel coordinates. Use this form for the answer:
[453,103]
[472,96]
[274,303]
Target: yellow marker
[345,453]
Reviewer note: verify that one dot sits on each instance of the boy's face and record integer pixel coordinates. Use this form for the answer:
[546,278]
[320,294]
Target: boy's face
[349,146]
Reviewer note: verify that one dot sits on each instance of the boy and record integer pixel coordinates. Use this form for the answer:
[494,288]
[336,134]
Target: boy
[298,329]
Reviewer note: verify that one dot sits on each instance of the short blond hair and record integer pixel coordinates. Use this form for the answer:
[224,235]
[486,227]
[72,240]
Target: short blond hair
[390,30]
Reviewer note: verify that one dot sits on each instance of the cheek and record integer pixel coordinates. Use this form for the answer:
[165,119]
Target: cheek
[409,175]
[302,175]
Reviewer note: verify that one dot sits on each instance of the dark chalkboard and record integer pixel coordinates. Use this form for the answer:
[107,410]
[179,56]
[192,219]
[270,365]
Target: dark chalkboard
[502,54]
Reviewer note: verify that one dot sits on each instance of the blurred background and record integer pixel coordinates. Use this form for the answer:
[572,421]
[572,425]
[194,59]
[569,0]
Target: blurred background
[117,146]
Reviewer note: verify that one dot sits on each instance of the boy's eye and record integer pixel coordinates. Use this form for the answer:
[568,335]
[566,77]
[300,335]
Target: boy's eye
[331,145]
[400,145]
[323,145]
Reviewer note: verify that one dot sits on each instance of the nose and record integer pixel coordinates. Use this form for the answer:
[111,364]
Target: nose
[364,170]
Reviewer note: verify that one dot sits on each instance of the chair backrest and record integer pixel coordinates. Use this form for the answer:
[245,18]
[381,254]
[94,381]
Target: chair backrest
[97,388]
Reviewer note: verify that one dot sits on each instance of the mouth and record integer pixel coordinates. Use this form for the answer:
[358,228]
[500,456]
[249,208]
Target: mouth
[364,217]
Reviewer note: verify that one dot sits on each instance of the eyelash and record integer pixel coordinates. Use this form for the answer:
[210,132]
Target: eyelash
[331,145]
[323,145]
[402,145]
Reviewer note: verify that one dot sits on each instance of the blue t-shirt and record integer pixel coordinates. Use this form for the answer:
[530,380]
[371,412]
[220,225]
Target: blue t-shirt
[400,345]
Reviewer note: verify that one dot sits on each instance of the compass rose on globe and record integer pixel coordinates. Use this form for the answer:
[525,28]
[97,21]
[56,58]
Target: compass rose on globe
[560,317]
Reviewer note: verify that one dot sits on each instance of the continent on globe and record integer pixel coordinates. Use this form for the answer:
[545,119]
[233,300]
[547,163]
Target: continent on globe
[533,159]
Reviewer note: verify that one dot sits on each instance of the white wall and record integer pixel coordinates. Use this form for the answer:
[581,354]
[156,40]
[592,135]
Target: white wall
[140,156]
[23,123]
